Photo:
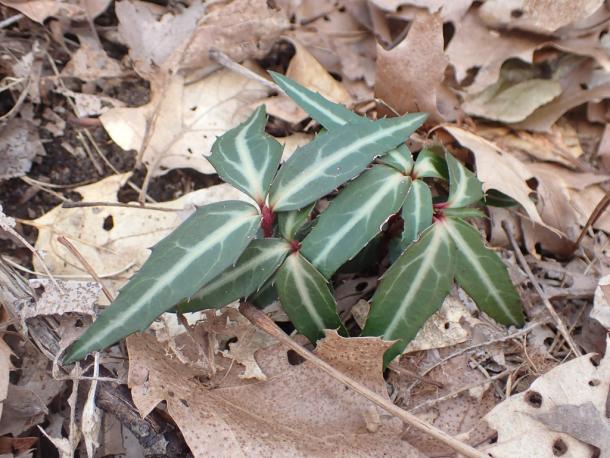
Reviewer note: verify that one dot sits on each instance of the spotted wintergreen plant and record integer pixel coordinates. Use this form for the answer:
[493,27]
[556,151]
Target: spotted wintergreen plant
[281,248]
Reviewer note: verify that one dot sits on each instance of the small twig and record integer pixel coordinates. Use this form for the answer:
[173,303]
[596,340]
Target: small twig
[461,351]
[10,20]
[402,371]
[71,204]
[595,214]
[263,322]
[460,390]
[224,60]
[556,318]
[65,242]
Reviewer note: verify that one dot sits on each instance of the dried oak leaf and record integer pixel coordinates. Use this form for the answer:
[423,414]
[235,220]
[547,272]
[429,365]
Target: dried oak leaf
[114,240]
[524,423]
[450,10]
[409,75]
[181,122]
[299,411]
[19,145]
[39,10]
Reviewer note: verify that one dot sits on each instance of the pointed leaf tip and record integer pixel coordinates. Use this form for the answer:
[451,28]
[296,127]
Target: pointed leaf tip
[179,265]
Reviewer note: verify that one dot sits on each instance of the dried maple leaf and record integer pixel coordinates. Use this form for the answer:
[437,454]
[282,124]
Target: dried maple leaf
[299,411]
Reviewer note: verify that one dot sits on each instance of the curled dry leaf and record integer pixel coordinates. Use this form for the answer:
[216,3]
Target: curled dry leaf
[528,423]
[498,170]
[114,240]
[181,122]
[409,75]
[299,411]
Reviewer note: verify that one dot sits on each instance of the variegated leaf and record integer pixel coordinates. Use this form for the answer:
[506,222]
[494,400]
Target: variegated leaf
[336,157]
[416,212]
[483,275]
[430,164]
[247,157]
[467,212]
[332,115]
[354,217]
[327,113]
[400,158]
[464,187]
[291,222]
[203,246]
[253,268]
[412,289]
[306,298]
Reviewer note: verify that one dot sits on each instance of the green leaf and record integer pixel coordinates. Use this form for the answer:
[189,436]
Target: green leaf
[354,217]
[463,212]
[416,212]
[483,275]
[327,113]
[495,198]
[247,157]
[400,158]
[336,157]
[198,250]
[332,115]
[430,164]
[412,289]
[292,221]
[253,268]
[306,298]
[464,187]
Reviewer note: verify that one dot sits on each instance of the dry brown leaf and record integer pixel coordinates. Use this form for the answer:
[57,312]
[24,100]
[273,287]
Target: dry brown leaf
[498,170]
[119,250]
[450,10]
[579,86]
[5,369]
[90,62]
[241,29]
[474,46]
[39,10]
[19,145]
[520,420]
[300,411]
[601,302]
[409,75]
[182,121]
[541,16]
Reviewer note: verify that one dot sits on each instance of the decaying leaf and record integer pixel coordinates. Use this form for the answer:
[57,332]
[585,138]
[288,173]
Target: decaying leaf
[5,368]
[39,10]
[601,303]
[181,122]
[525,422]
[498,170]
[299,411]
[114,240]
[19,145]
[409,75]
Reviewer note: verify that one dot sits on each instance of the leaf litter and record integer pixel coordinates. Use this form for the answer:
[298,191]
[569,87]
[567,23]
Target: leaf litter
[517,90]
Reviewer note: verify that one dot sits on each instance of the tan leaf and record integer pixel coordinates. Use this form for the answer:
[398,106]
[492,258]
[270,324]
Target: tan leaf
[181,122]
[601,302]
[19,145]
[522,421]
[498,170]
[114,240]
[450,10]
[5,369]
[90,62]
[541,16]
[300,411]
[39,10]
[408,76]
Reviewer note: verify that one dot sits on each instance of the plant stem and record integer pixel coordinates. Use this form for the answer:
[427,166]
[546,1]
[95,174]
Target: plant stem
[267,222]
[262,321]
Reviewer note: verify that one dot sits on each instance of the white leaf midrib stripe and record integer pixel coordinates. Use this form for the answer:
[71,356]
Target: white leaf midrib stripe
[195,252]
[298,272]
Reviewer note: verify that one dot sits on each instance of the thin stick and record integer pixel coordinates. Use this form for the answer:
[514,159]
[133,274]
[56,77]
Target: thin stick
[10,20]
[224,60]
[402,371]
[545,300]
[263,322]
[70,204]
[595,214]
[65,242]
